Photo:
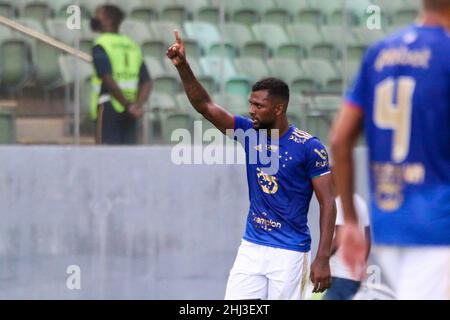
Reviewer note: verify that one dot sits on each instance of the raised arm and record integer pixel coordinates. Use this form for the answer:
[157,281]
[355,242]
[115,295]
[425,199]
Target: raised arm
[320,268]
[197,95]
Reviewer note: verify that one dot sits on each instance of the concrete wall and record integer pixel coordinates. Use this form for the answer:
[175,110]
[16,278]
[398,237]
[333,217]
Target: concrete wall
[138,226]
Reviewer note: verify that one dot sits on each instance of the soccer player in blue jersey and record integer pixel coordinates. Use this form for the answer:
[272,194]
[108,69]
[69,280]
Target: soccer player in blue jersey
[402,99]
[273,259]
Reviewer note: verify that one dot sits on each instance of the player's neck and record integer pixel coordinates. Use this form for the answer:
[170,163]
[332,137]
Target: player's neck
[282,125]
[434,19]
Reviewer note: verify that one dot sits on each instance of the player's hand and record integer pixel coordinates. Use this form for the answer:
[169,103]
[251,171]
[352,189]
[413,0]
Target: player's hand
[320,274]
[353,249]
[176,52]
[135,110]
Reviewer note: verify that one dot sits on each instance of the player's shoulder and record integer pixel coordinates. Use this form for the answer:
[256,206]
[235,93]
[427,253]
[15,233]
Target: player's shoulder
[300,137]
[411,34]
[304,141]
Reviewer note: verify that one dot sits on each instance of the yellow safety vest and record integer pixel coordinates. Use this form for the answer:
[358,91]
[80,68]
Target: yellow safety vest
[125,57]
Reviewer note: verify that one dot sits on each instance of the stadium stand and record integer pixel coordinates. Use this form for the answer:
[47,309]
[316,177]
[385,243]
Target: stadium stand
[295,40]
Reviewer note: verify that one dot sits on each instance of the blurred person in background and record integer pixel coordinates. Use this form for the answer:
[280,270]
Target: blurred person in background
[122,83]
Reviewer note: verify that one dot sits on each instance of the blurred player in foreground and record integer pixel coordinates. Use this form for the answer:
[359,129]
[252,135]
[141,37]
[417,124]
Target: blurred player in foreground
[273,259]
[402,99]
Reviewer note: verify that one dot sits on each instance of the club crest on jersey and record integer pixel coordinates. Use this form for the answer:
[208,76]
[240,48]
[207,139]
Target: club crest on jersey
[267,182]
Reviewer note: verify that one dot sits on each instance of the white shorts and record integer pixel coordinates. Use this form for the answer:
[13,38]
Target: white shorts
[261,272]
[416,273]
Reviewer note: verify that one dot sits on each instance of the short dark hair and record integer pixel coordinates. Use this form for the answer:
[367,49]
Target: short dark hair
[436,5]
[114,13]
[276,88]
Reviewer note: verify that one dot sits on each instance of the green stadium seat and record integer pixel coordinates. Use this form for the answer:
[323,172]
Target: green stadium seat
[136,29]
[14,64]
[405,16]
[204,33]
[388,6]
[164,31]
[158,106]
[163,82]
[249,12]
[291,51]
[241,36]
[154,48]
[60,8]
[37,10]
[57,28]
[297,109]
[207,81]
[162,102]
[227,50]
[253,68]
[321,69]
[338,37]
[306,35]
[312,39]
[348,70]
[355,52]
[7,127]
[143,13]
[234,103]
[238,86]
[212,67]
[71,69]
[366,36]
[319,125]
[173,121]
[5,32]
[210,14]
[337,18]
[310,15]
[303,11]
[277,15]
[7,9]
[285,69]
[277,34]
[327,103]
[175,12]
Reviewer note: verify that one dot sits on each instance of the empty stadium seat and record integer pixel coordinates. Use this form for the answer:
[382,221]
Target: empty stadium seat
[136,29]
[277,34]
[163,82]
[253,68]
[204,33]
[14,63]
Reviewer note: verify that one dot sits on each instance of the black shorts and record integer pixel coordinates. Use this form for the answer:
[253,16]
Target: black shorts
[114,127]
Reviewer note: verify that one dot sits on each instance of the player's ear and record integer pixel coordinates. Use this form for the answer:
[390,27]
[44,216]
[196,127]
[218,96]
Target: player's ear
[279,109]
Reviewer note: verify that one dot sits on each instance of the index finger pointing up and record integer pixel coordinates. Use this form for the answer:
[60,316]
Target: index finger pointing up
[177,36]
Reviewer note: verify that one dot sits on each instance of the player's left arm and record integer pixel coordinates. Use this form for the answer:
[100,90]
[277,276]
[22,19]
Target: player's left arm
[320,268]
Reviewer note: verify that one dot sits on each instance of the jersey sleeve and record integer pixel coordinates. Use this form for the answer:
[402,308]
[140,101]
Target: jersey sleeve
[101,61]
[144,74]
[357,93]
[242,123]
[317,162]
